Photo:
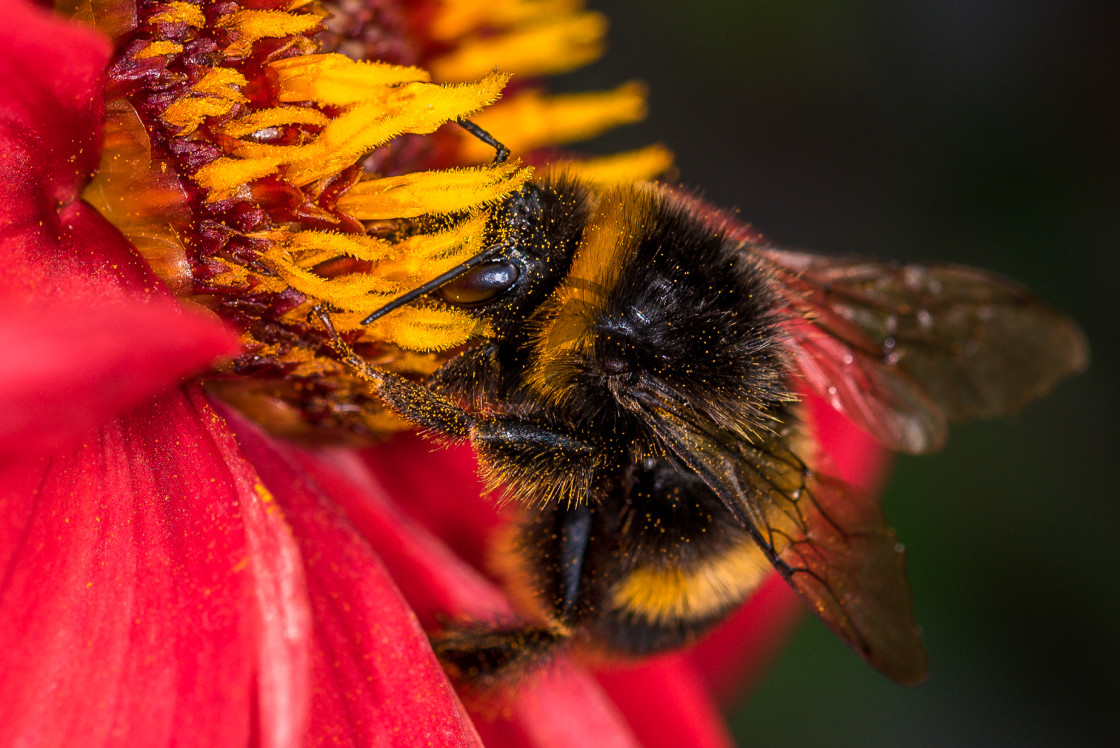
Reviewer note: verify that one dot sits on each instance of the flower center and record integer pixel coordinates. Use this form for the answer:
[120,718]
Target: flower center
[274,159]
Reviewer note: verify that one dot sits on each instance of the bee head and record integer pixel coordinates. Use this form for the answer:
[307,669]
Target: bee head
[532,237]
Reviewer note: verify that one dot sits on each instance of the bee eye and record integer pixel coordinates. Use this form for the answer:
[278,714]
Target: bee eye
[481,284]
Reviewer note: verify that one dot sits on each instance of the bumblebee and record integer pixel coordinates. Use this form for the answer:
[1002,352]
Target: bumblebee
[637,401]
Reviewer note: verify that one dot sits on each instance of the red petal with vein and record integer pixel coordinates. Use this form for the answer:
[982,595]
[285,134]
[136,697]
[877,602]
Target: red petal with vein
[67,369]
[283,616]
[52,245]
[562,706]
[375,680]
[50,107]
[131,603]
[667,703]
[448,501]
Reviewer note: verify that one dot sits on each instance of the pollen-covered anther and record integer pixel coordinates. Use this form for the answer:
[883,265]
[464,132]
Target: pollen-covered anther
[250,26]
[181,12]
[214,95]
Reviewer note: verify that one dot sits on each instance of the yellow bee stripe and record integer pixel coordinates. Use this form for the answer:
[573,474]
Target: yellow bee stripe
[671,593]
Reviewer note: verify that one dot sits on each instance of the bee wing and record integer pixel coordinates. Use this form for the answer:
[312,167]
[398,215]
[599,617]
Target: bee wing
[904,349]
[828,540]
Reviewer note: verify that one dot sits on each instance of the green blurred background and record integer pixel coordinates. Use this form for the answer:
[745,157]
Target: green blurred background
[982,132]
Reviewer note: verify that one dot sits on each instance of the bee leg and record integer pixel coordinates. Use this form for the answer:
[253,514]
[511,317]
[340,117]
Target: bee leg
[410,400]
[469,375]
[485,656]
[553,547]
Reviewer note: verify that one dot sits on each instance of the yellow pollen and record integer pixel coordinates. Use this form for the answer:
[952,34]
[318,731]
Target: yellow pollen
[251,26]
[180,12]
[263,493]
[155,49]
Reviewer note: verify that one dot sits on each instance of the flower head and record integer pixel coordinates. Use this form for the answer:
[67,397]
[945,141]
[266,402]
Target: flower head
[182,184]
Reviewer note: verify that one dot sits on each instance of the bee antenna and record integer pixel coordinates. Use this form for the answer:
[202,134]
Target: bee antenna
[434,283]
[501,152]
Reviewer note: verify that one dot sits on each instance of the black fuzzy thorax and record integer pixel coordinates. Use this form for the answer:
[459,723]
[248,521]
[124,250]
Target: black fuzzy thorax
[685,313]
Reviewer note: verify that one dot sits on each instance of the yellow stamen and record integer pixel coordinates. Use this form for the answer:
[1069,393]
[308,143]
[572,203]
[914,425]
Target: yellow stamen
[555,45]
[413,107]
[633,166]
[275,117]
[336,80]
[218,91]
[419,193]
[227,177]
[418,328]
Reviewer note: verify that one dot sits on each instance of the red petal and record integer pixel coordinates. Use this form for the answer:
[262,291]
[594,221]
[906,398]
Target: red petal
[561,707]
[375,679]
[50,99]
[68,369]
[449,502]
[283,615]
[736,655]
[53,245]
[131,602]
[73,357]
[667,703]
[851,453]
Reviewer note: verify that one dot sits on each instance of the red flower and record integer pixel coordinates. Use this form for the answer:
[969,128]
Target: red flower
[173,575]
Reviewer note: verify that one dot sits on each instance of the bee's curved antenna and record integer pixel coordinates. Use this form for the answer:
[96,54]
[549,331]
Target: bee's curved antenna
[434,283]
[501,153]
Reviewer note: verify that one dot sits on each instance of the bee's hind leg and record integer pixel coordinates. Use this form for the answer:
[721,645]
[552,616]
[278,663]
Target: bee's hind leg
[551,553]
[486,655]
